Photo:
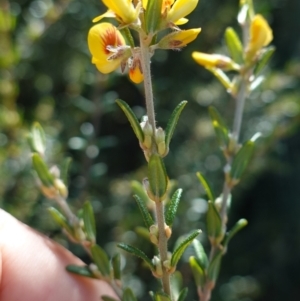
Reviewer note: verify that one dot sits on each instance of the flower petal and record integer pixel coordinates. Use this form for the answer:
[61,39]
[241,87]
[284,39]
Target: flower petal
[108,14]
[100,37]
[136,75]
[260,34]
[214,61]
[178,39]
[180,9]
[124,10]
[181,21]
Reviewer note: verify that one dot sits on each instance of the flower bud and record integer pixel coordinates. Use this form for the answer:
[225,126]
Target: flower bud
[215,61]
[260,36]
[148,133]
[178,39]
[158,268]
[79,234]
[154,234]
[93,268]
[61,187]
[54,170]
[168,231]
[159,135]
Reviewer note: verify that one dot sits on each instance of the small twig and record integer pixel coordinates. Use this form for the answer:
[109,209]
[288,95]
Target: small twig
[159,206]
[145,62]
[205,294]
[62,203]
[162,245]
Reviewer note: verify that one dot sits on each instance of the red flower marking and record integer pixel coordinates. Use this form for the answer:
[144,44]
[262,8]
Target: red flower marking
[110,38]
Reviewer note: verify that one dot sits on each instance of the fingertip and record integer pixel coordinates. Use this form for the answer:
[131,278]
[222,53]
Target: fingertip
[33,268]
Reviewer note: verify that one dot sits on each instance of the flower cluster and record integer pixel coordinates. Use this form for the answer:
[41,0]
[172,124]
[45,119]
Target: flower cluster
[113,47]
[260,36]
[244,57]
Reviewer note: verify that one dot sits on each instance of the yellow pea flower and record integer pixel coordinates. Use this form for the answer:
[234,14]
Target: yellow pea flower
[107,47]
[109,51]
[178,39]
[179,10]
[215,61]
[261,35]
[123,10]
[175,11]
[166,4]
[135,73]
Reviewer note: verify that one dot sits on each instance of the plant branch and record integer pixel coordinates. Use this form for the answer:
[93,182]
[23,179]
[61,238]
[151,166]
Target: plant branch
[240,103]
[145,62]
[74,221]
[162,245]
[159,206]
[205,294]
[72,218]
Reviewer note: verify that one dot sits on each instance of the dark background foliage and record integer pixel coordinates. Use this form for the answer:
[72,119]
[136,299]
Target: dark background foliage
[46,75]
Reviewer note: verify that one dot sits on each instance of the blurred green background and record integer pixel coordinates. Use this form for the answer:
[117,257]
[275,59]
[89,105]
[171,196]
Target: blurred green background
[46,76]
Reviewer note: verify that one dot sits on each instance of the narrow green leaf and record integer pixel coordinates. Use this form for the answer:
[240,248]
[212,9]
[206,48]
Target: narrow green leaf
[64,169]
[157,176]
[183,245]
[172,209]
[101,259]
[213,220]
[176,284]
[206,186]
[264,59]
[143,232]
[242,158]
[220,128]
[42,170]
[242,223]
[137,252]
[183,294]
[80,270]
[153,15]
[89,221]
[234,45]
[162,297]
[116,264]
[128,295]
[198,272]
[138,189]
[173,121]
[144,211]
[214,267]
[60,219]
[221,76]
[107,298]
[128,37]
[132,119]
[37,139]
[200,254]
[79,213]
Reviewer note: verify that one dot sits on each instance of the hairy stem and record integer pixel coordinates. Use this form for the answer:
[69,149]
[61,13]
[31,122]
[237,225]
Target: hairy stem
[205,294]
[162,245]
[62,203]
[145,61]
[159,206]
[240,103]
